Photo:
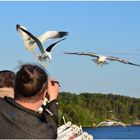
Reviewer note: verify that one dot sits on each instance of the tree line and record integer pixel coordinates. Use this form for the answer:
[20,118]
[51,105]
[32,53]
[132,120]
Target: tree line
[88,109]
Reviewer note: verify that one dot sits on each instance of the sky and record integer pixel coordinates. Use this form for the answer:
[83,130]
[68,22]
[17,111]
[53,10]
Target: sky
[108,28]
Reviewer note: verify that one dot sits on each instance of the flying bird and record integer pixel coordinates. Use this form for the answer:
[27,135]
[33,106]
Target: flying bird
[30,43]
[45,53]
[111,123]
[101,59]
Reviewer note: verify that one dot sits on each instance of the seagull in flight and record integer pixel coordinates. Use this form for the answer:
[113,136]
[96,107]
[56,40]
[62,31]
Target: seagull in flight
[101,59]
[45,53]
[30,43]
[111,123]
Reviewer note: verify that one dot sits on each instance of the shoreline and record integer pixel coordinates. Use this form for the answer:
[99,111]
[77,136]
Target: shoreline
[108,126]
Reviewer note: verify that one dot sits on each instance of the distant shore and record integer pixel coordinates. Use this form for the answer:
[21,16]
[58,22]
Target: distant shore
[105,126]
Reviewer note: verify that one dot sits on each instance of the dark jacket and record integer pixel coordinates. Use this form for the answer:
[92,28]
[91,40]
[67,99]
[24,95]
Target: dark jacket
[17,122]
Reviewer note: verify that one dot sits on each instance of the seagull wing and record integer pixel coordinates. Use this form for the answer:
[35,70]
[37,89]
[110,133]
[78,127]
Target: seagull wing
[39,44]
[112,58]
[84,53]
[52,35]
[54,44]
[25,37]
[101,124]
[119,123]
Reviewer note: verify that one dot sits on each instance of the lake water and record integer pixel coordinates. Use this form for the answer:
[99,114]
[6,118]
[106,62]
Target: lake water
[114,132]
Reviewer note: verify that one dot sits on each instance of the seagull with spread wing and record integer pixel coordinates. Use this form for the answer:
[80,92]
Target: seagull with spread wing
[111,123]
[101,59]
[30,43]
[45,54]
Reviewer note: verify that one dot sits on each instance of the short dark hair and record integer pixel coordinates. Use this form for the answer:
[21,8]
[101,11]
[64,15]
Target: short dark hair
[7,78]
[29,80]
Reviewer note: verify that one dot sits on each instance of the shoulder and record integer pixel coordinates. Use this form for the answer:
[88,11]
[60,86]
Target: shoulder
[4,103]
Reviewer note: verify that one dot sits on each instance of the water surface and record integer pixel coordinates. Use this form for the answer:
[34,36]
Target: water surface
[114,132]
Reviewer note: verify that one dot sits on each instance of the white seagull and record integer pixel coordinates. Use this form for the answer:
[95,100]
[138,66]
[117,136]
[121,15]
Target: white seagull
[45,54]
[30,43]
[111,123]
[101,59]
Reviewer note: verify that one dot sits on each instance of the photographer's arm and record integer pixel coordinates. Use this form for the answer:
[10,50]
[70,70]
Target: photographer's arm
[51,109]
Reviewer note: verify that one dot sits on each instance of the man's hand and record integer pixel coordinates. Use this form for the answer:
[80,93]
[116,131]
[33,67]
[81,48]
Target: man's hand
[53,89]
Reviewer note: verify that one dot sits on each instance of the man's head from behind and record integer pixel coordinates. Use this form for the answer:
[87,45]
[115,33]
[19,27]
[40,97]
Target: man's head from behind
[7,79]
[29,81]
